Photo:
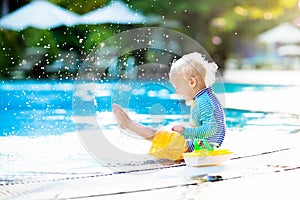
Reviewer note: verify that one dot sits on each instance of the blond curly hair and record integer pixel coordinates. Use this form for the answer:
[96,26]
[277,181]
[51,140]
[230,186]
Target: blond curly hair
[193,65]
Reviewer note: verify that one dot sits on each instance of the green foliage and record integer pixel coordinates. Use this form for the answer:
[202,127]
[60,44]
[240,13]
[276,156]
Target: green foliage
[9,51]
[215,24]
[43,39]
[80,6]
[205,20]
[96,35]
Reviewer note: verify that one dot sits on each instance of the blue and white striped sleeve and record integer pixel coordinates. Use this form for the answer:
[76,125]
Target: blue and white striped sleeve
[204,118]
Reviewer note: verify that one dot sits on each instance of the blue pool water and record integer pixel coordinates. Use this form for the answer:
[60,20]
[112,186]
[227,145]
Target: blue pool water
[38,133]
[33,108]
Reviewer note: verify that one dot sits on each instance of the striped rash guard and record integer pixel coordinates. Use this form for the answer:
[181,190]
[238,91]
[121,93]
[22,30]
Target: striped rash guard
[207,119]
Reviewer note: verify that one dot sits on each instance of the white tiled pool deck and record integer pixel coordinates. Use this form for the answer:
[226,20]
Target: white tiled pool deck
[270,77]
[264,165]
[285,100]
[262,169]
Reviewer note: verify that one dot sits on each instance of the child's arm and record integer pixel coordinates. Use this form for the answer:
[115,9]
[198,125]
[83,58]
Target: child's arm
[203,115]
[200,132]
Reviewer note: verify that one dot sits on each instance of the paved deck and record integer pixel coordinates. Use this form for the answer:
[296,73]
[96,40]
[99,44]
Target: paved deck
[270,77]
[283,100]
[261,169]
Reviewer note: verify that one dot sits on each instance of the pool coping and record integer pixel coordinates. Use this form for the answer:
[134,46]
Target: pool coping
[281,99]
[264,77]
[248,171]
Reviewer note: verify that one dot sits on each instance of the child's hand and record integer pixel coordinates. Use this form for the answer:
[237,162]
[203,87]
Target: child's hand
[178,128]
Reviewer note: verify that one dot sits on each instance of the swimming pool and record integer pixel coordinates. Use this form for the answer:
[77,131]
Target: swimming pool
[38,134]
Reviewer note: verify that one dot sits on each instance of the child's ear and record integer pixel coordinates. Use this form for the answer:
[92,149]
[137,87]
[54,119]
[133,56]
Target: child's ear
[192,82]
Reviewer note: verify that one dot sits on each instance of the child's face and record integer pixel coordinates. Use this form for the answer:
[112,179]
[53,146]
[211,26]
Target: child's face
[182,87]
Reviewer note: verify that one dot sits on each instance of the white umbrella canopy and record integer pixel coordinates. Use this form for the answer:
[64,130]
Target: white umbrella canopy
[39,14]
[289,50]
[284,33]
[116,12]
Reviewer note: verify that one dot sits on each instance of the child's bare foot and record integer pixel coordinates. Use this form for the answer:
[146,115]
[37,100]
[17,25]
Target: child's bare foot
[121,116]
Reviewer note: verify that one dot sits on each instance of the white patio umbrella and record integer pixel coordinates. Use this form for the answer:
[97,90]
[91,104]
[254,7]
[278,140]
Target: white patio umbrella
[284,33]
[39,14]
[291,54]
[116,12]
[289,50]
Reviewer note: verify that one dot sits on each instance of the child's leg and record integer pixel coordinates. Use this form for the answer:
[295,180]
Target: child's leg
[126,123]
